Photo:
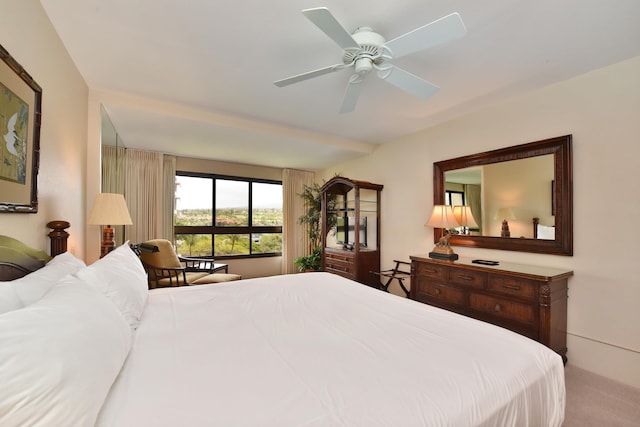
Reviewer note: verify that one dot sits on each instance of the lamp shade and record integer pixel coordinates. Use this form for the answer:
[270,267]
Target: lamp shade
[442,217]
[464,216]
[505,213]
[109,209]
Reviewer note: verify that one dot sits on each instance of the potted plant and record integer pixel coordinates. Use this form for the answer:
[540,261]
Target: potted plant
[311,262]
[312,220]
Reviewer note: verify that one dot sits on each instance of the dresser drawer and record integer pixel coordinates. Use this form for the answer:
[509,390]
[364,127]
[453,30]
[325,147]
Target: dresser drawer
[428,291]
[466,277]
[339,256]
[432,271]
[344,273]
[513,286]
[502,308]
[339,265]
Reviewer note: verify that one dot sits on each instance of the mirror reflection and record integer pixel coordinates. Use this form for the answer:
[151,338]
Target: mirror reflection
[516,198]
[113,162]
[502,199]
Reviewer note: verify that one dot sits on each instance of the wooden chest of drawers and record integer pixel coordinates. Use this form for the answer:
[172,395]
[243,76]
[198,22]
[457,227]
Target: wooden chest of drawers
[355,266]
[529,300]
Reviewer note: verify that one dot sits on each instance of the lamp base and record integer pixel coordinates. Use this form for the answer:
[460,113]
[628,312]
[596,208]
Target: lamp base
[443,256]
[505,229]
[107,244]
[442,249]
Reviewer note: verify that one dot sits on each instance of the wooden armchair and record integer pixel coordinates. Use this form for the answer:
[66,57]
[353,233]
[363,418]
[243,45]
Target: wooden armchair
[165,268]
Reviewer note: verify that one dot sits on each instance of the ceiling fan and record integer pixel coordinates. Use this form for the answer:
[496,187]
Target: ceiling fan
[365,50]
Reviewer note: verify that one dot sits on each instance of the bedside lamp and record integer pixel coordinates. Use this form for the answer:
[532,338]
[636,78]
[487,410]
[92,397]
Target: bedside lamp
[464,216]
[505,214]
[442,217]
[109,209]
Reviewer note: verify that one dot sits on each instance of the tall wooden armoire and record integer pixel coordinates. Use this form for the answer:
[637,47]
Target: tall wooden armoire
[351,229]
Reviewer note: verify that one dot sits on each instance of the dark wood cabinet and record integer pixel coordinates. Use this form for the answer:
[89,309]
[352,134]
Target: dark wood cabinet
[351,229]
[529,300]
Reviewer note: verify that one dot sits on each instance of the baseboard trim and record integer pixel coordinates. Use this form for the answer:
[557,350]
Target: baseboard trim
[604,342]
[611,361]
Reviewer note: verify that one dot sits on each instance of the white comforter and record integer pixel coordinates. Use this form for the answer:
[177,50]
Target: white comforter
[315,349]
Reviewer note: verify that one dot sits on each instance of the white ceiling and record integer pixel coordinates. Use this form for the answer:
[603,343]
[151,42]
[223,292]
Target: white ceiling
[195,77]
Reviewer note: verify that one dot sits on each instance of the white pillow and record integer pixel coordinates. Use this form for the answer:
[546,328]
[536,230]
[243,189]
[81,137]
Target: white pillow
[9,300]
[121,278]
[26,290]
[545,232]
[60,356]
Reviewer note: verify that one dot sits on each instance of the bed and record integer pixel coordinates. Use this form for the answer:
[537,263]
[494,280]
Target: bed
[544,232]
[309,349]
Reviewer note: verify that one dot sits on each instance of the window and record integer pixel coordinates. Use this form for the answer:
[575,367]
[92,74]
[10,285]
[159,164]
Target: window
[227,216]
[454,198]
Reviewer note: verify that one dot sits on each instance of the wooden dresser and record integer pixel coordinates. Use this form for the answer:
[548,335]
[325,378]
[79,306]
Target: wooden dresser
[526,299]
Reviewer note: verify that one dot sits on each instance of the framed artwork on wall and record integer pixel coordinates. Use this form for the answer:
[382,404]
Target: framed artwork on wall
[20,119]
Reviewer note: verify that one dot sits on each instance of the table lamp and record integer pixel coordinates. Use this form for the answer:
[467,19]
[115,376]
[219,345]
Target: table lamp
[464,216]
[442,217]
[109,209]
[505,214]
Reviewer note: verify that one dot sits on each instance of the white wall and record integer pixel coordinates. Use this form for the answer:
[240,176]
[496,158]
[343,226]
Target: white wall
[25,31]
[601,109]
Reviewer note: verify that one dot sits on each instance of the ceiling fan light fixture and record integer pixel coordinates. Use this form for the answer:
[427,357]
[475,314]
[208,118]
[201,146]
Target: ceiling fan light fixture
[363,65]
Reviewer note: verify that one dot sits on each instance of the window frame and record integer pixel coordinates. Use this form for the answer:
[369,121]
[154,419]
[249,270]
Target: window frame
[448,194]
[212,230]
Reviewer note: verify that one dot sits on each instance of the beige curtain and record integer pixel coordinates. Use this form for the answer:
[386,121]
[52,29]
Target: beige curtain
[113,169]
[294,238]
[169,200]
[144,193]
[472,193]
[113,179]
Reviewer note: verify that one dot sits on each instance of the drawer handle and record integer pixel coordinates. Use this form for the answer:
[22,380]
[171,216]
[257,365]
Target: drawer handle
[498,307]
[465,277]
[429,271]
[512,287]
[437,291]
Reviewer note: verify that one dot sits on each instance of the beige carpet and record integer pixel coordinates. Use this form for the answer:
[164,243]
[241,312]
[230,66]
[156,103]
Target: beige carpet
[595,401]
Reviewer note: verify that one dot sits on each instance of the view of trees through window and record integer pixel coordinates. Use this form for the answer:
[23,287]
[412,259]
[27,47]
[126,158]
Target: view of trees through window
[247,221]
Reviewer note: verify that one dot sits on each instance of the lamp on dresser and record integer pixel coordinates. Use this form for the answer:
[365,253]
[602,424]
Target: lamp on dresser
[505,214]
[464,216]
[442,217]
[109,209]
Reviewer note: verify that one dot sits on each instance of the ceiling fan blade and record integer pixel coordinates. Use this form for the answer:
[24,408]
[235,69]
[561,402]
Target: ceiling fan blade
[445,29]
[308,75]
[331,27]
[406,81]
[352,94]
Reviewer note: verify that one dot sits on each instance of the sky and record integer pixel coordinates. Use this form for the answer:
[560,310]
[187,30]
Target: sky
[194,193]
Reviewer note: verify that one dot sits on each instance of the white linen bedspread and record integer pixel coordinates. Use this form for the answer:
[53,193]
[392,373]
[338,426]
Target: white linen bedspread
[316,349]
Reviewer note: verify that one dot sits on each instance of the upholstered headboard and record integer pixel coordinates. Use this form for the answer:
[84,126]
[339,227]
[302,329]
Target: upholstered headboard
[15,264]
[18,259]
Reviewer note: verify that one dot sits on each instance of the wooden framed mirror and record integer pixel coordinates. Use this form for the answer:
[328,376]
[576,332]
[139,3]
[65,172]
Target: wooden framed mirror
[530,181]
